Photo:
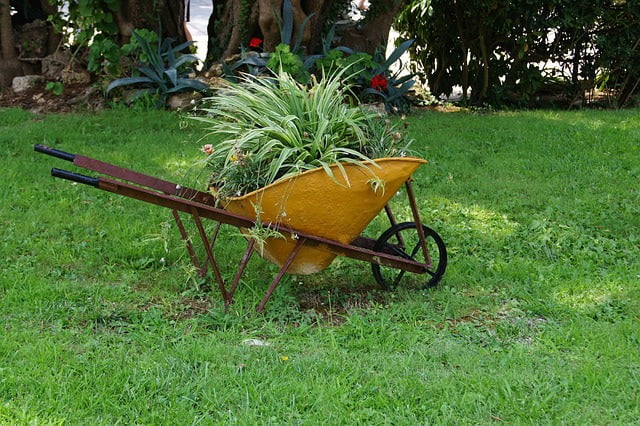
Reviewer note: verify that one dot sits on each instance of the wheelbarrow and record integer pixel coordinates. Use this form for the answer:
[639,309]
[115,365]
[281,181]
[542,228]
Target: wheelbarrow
[313,217]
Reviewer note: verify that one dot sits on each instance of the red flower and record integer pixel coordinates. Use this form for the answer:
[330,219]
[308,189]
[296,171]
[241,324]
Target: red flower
[379,82]
[255,42]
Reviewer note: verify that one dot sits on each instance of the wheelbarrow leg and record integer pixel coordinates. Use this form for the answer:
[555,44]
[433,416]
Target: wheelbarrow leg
[418,221]
[392,218]
[202,270]
[393,222]
[212,260]
[278,277]
[243,264]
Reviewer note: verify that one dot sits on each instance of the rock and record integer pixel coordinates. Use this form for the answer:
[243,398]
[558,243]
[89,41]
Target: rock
[216,69]
[84,96]
[20,84]
[89,99]
[9,69]
[32,40]
[39,99]
[70,76]
[256,342]
[183,100]
[378,108]
[53,65]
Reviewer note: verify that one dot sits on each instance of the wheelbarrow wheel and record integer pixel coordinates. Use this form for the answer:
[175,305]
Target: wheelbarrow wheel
[402,240]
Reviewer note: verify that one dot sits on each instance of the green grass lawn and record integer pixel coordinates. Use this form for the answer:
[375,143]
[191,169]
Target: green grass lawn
[103,319]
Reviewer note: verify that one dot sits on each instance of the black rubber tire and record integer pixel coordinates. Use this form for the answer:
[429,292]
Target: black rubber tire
[409,233]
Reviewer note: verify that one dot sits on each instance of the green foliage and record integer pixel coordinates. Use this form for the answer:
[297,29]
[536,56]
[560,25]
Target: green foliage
[618,42]
[86,19]
[90,25]
[394,95]
[456,44]
[274,128]
[164,71]
[54,87]
[359,68]
[282,59]
[363,71]
[286,27]
[494,49]
[104,56]
[138,51]
[357,65]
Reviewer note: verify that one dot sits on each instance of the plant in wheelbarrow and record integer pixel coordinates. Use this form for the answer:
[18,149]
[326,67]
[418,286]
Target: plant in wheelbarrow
[305,161]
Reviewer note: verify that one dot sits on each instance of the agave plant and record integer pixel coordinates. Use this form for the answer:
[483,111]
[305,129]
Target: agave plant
[164,70]
[396,86]
[272,128]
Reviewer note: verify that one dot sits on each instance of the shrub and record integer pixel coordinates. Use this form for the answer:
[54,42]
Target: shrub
[494,50]
[618,43]
[105,56]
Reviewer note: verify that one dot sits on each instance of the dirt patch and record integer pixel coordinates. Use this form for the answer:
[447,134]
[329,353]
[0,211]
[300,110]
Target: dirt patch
[74,97]
[190,307]
[334,306]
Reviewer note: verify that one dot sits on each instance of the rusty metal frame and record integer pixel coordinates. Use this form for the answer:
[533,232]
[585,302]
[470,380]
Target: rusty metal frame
[200,205]
[418,221]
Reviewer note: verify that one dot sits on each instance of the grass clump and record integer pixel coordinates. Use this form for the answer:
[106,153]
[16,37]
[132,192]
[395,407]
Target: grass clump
[275,128]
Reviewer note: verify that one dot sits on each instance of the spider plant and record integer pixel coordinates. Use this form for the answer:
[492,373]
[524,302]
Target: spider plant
[273,128]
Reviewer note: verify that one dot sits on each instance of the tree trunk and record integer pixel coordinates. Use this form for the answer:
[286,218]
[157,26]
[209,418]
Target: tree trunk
[374,32]
[485,67]
[464,47]
[234,22]
[230,24]
[270,14]
[7,38]
[10,67]
[166,17]
[54,38]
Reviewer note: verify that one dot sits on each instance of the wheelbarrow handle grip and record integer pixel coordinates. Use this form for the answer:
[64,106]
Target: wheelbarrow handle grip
[75,177]
[54,152]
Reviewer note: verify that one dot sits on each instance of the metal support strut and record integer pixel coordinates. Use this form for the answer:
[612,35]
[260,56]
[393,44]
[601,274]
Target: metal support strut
[418,221]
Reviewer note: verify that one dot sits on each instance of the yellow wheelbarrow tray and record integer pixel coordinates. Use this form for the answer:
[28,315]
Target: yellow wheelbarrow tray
[337,207]
[318,216]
